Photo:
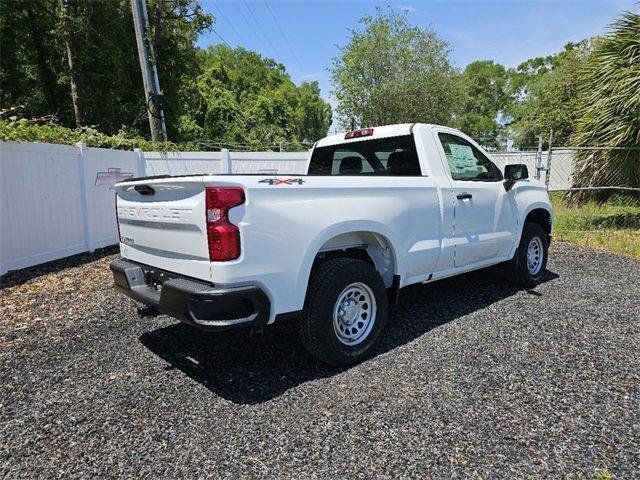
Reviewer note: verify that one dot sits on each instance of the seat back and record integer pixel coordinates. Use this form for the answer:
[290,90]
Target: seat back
[402,164]
[351,166]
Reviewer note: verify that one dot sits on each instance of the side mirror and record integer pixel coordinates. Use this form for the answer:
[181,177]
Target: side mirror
[514,173]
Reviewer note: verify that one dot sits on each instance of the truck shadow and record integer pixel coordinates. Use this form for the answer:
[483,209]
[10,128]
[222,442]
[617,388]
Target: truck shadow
[251,369]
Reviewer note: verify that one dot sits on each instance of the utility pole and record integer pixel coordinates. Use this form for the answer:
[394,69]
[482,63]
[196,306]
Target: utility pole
[150,79]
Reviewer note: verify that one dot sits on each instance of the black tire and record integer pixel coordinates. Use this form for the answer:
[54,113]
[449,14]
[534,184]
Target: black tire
[328,284]
[521,272]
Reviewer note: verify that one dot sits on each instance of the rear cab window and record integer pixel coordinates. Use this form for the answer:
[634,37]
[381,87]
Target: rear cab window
[390,156]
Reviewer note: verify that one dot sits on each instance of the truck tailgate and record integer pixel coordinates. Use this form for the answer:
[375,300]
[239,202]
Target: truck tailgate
[162,224]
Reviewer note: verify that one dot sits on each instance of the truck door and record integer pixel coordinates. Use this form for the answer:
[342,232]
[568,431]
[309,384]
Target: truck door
[484,214]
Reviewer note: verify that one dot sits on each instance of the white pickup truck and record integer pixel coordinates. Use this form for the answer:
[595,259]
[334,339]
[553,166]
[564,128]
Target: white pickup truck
[378,209]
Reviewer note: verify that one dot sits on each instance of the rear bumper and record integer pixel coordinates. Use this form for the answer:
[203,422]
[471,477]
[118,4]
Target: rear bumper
[191,301]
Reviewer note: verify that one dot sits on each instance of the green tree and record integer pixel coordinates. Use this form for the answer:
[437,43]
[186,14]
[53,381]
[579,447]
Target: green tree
[484,99]
[32,62]
[546,95]
[245,99]
[37,40]
[391,72]
[314,114]
[609,111]
[78,60]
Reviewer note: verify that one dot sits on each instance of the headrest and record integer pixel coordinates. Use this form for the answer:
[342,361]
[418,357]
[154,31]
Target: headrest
[402,163]
[351,166]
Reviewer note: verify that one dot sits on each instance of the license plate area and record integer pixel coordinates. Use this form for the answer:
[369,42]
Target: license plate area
[155,278]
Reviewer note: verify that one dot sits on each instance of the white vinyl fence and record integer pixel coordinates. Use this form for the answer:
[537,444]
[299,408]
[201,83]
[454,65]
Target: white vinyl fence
[183,163]
[58,200]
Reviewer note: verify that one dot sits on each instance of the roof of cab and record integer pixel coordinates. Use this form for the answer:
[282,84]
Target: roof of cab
[378,132]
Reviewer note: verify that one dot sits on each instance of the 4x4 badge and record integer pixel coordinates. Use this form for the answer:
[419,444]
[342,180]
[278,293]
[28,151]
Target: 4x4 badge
[282,181]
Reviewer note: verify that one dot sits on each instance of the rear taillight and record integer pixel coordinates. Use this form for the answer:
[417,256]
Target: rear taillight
[115,197]
[223,236]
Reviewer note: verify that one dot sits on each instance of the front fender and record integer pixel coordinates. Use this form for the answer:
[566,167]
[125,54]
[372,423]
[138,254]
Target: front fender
[528,201]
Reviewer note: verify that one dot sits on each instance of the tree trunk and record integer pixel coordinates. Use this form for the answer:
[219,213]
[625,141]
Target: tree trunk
[71,55]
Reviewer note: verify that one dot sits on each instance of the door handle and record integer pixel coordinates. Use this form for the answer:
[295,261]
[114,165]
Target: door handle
[464,196]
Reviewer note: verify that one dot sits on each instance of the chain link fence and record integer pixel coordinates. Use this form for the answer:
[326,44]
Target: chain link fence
[595,192]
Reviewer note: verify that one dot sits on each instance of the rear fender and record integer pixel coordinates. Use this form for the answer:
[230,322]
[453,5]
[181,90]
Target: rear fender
[380,231]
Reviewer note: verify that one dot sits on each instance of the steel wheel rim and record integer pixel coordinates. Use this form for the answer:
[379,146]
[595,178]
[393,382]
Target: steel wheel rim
[354,314]
[535,255]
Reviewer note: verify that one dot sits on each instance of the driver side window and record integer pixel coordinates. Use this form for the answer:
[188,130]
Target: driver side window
[466,162]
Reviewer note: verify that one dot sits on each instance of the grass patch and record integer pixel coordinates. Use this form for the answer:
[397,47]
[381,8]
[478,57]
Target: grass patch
[613,226]
[602,474]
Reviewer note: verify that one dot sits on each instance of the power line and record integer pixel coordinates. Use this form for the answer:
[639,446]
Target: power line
[275,51]
[251,29]
[240,38]
[220,37]
[286,40]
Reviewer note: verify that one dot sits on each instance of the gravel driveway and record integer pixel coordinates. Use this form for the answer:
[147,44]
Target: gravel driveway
[475,379]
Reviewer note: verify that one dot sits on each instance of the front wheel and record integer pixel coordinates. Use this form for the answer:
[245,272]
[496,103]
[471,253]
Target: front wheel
[529,264]
[345,311]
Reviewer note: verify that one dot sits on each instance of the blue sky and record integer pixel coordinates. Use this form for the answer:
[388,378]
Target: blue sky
[304,35]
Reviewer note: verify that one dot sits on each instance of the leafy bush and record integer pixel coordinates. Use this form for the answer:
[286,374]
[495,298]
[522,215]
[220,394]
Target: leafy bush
[24,130]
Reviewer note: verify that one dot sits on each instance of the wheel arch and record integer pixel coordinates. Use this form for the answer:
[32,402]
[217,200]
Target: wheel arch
[536,212]
[541,216]
[367,241]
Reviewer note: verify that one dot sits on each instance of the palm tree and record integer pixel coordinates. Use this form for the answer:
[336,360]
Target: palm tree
[610,113]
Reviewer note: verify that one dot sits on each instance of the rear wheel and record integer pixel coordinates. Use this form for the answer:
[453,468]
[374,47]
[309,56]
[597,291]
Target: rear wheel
[345,311]
[529,264]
